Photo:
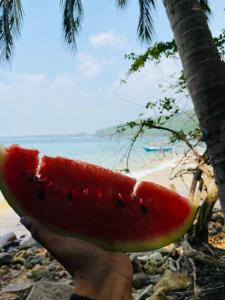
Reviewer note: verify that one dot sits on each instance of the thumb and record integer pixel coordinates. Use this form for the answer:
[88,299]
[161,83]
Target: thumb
[41,234]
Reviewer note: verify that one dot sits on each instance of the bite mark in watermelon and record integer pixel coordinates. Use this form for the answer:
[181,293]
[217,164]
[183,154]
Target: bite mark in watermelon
[79,199]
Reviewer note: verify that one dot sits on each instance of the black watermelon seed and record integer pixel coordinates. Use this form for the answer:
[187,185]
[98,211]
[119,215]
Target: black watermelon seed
[144,209]
[70,196]
[40,195]
[32,178]
[120,203]
[133,198]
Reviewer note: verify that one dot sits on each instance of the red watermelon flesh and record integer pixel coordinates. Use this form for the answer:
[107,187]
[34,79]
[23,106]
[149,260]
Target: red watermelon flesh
[83,200]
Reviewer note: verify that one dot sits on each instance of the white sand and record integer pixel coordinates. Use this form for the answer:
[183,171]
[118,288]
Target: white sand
[9,220]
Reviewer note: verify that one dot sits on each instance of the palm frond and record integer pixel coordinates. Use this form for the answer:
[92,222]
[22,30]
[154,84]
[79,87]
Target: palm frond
[205,6]
[121,3]
[72,19]
[11,16]
[145,25]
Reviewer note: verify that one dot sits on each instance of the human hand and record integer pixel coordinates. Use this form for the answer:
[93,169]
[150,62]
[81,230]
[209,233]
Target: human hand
[98,274]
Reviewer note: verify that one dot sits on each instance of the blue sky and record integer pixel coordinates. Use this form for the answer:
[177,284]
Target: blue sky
[48,89]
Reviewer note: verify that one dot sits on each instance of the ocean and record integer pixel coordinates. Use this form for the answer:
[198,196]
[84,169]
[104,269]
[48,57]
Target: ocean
[110,152]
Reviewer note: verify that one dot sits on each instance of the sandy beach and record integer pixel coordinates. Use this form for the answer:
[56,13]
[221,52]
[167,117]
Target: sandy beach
[9,220]
[159,173]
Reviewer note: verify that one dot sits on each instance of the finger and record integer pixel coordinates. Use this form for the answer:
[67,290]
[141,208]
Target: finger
[41,234]
[72,253]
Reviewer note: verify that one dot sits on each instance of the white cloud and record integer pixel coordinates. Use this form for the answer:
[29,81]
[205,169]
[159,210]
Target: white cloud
[144,86]
[72,102]
[91,66]
[108,39]
[32,106]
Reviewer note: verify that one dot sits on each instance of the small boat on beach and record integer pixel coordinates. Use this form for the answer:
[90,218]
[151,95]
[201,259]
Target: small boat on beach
[158,149]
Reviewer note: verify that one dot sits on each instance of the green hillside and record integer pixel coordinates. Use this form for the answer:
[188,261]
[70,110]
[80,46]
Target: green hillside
[184,120]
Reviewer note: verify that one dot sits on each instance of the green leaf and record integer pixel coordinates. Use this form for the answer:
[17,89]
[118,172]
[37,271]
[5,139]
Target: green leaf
[11,17]
[145,25]
[206,8]
[121,3]
[72,20]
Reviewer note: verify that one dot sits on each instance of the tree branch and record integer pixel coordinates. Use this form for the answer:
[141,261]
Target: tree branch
[177,134]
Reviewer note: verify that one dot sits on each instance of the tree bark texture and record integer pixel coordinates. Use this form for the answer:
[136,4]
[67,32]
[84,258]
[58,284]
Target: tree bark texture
[205,73]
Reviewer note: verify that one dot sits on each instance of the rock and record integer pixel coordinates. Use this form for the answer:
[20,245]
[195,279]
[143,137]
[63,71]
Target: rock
[49,291]
[6,238]
[213,232]
[154,261]
[24,253]
[29,244]
[10,275]
[45,261]
[62,274]
[136,265]
[170,264]
[165,251]
[4,268]
[143,258]
[8,296]
[218,217]
[16,267]
[219,229]
[173,281]
[154,278]
[150,267]
[18,260]
[140,280]
[12,251]
[33,260]
[52,267]
[157,257]
[59,268]
[5,258]
[37,274]
[11,245]
[28,252]
[14,288]
[170,281]
[144,294]
[40,251]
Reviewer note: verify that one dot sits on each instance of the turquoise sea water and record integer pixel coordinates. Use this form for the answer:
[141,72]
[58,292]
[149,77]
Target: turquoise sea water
[110,152]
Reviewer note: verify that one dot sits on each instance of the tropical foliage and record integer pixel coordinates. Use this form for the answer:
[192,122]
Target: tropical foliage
[193,162]
[11,17]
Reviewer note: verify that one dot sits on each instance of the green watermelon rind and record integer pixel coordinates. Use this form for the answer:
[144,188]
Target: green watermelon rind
[125,246]
[139,245]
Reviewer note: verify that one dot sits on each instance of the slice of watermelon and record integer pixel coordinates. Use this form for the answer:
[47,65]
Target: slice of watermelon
[79,199]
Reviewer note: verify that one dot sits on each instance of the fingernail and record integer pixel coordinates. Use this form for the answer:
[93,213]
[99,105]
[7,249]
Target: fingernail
[26,221]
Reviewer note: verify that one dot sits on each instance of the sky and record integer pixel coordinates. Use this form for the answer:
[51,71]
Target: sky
[48,89]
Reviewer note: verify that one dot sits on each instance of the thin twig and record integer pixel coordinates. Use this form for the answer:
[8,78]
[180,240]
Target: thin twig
[200,290]
[184,139]
[132,144]
[194,276]
[196,177]
[202,257]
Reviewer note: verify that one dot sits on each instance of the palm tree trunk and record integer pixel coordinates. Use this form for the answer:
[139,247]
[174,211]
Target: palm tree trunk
[205,73]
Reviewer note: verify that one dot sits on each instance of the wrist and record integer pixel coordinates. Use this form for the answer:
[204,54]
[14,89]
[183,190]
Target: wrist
[113,286]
